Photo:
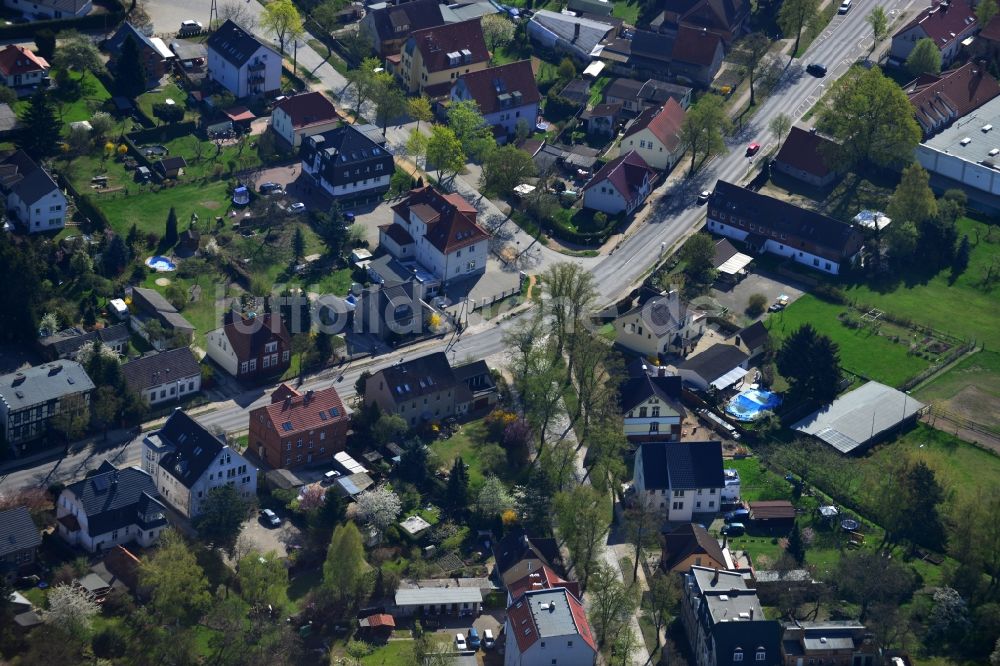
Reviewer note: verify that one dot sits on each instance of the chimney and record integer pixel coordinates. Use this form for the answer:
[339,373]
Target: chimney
[576,32]
[661,371]
[715,578]
[308,398]
[18,379]
[751,614]
[55,369]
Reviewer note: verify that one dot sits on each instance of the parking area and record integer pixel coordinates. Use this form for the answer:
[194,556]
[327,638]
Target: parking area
[264,538]
[769,284]
[371,218]
[492,620]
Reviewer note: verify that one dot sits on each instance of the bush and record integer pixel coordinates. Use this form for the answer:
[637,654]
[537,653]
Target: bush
[168,113]
[756,305]
[830,294]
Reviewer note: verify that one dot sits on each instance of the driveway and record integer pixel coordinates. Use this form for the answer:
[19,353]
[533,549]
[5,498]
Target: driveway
[769,284]
[264,539]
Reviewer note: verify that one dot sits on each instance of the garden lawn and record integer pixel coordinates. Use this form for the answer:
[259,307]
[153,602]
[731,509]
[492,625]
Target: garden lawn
[970,388]
[231,158]
[93,98]
[627,11]
[200,313]
[148,210]
[464,443]
[861,351]
[757,482]
[963,309]
[390,654]
[147,100]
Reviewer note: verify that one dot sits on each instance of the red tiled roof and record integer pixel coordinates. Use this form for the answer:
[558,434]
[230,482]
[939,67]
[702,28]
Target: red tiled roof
[248,338]
[304,411]
[625,173]
[238,113]
[380,620]
[544,579]
[397,233]
[436,43]
[938,99]
[19,60]
[309,109]
[486,86]
[524,625]
[694,46]
[283,391]
[451,220]
[801,150]
[943,23]
[664,123]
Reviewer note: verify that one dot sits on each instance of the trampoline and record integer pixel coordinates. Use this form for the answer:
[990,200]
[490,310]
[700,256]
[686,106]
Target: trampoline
[849,524]
[748,405]
[161,264]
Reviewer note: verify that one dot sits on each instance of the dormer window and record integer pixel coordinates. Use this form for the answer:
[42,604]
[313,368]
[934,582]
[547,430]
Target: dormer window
[738,655]
[761,654]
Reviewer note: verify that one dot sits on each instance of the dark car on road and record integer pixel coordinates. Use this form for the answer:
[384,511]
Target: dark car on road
[816,69]
[269,188]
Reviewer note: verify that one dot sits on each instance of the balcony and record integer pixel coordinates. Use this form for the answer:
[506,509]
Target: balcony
[257,66]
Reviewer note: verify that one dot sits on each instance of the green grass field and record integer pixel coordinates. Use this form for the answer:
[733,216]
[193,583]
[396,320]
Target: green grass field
[964,309]
[231,157]
[147,100]
[757,482]
[149,210]
[390,654]
[861,351]
[627,11]
[464,443]
[971,389]
[201,313]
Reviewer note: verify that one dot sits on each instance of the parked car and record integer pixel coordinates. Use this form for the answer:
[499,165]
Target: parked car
[488,640]
[270,517]
[816,69]
[191,28]
[845,6]
[296,208]
[460,643]
[737,516]
[269,188]
[474,641]
[753,149]
[703,197]
[734,529]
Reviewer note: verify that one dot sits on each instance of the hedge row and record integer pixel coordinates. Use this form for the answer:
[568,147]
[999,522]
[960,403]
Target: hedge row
[106,21]
[85,204]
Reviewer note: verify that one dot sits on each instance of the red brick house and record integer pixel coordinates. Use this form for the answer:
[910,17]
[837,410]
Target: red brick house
[251,347]
[299,429]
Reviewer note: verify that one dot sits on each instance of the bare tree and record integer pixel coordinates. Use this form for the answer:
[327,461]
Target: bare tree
[238,12]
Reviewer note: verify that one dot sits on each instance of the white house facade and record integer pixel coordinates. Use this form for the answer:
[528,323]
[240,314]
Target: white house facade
[53,9]
[621,185]
[679,479]
[241,63]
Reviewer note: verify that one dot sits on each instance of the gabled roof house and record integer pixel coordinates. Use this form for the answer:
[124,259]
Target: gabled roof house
[940,99]
[948,24]
[621,186]
[548,626]
[679,479]
[251,347]
[650,403]
[804,155]
[301,115]
[506,95]
[655,135]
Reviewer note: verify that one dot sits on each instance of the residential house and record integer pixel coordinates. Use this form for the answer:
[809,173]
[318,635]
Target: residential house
[19,542]
[21,68]
[506,95]
[770,225]
[724,621]
[548,627]
[636,96]
[753,339]
[249,348]
[395,310]
[390,26]
[67,342]
[987,42]
[696,56]
[347,164]
[187,462]
[34,201]
[149,305]
[432,59]
[161,376]
[729,263]
[155,56]
[449,597]
[947,24]
[543,578]
[29,399]
[578,37]
[650,403]
[621,186]
[241,63]
[679,479]
[603,119]
[188,242]
[299,429]
[115,506]
[655,135]
[832,643]
[440,231]
[427,388]
[941,99]
[519,554]
[720,366]
[729,19]
[40,10]
[662,324]
[805,155]
[302,115]
[649,54]
[688,545]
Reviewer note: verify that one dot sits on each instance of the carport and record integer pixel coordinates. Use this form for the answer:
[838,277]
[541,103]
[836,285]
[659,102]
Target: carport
[438,600]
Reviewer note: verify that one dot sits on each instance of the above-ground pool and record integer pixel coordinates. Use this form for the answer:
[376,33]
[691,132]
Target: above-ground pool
[748,405]
[161,264]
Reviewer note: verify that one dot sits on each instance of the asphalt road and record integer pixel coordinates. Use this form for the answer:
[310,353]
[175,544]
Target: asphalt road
[845,40]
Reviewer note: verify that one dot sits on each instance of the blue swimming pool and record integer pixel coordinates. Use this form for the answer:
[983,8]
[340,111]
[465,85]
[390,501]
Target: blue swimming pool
[748,405]
[161,264]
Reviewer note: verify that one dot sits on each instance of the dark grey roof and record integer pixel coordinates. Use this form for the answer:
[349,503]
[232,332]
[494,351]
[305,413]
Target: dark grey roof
[662,314]
[623,89]
[641,387]
[659,92]
[476,375]
[113,497]
[152,299]
[18,531]
[171,163]
[412,379]
[682,465]
[714,362]
[347,155]
[652,45]
[67,342]
[25,178]
[407,17]
[38,385]
[754,335]
[194,448]
[517,545]
[234,44]
[796,226]
[577,90]
[155,369]
[187,50]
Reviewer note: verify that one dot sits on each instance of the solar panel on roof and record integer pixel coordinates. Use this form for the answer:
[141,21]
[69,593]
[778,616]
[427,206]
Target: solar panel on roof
[101,483]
